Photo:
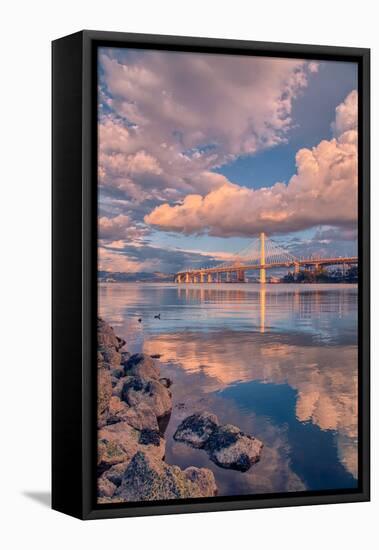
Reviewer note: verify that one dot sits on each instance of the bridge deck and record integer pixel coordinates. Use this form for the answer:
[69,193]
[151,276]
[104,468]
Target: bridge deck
[249,267]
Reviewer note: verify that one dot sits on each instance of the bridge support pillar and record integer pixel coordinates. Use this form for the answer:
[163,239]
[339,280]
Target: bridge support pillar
[209,278]
[187,277]
[262,273]
[228,276]
[241,276]
[201,277]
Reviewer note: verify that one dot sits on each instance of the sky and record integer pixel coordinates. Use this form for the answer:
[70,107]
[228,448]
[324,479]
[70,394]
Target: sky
[199,153]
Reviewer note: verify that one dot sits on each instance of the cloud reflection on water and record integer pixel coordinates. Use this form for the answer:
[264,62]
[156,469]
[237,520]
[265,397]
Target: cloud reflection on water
[303,336]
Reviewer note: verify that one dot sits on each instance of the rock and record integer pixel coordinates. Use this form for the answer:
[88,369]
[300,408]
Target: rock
[196,429]
[112,358]
[140,417]
[104,391]
[147,478]
[125,355]
[226,445]
[117,385]
[141,365]
[166,382]
[120,442]
[105,488]
[106,337]
[109,452]
[109,500]
[204,478]
[118,373]
[149,437]
[136,390]
[230,448]
[116,473]
[121,342]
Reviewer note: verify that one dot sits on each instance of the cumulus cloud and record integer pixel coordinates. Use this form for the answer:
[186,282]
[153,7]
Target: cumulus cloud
[240,103]
[120,227]
[322,192]
[347,115]
[168,118]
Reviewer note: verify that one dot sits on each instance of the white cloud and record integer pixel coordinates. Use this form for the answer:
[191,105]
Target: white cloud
[322,192]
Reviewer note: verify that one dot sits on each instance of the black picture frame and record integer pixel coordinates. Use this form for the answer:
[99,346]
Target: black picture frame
[74,272]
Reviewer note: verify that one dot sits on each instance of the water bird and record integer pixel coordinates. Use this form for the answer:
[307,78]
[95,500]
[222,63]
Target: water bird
[140,320]
[157,316]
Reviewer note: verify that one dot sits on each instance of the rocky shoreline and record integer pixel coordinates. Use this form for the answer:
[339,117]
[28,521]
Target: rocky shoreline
[133,409]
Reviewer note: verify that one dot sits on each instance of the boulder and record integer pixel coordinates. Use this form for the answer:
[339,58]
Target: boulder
[230,448]
[137,390]
[147,478]
[115,473]
[112,358]
[106,337]
[119,443]
[104,391]
[140,417]
[105,488]
[117,373]
[227,446]
[109,452]
[141,365]
[196,429]
[117,385]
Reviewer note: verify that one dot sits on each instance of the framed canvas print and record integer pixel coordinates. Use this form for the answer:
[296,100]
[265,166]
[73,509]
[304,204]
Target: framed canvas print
[210,274]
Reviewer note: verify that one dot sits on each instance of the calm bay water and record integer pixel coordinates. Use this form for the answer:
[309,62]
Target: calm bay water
[279,361]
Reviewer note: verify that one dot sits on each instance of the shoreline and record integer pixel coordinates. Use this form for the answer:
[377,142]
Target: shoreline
[134,409]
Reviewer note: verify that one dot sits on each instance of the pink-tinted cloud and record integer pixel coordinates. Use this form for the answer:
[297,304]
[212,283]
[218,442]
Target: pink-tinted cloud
[188,114]
[120,228]
[112,260]
[322,192]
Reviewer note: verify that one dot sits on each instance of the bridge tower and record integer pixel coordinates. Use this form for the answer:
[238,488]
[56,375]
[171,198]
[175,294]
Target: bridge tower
[262,272]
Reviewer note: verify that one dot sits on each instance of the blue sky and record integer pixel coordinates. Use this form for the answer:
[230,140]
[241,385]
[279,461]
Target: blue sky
[225,131]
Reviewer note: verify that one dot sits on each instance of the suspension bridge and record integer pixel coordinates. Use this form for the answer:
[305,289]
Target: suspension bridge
[261,255]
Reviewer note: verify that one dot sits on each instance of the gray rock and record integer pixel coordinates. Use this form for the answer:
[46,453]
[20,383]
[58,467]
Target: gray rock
[147,478]
[226,446]
[196,429]
[141,365]
[136,390]
[230,448]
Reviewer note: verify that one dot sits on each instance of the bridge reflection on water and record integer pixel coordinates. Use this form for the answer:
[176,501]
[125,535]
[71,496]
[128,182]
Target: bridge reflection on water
[305,305]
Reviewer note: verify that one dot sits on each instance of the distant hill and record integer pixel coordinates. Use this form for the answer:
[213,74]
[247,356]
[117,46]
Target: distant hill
[141,277]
